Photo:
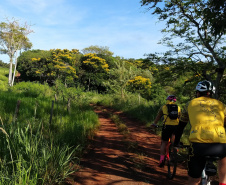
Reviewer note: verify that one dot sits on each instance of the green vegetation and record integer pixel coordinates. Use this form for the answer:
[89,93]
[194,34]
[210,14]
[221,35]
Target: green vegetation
[35,150]
[47,120]
[3,78]
[54,120]
[45,116]
[44,128]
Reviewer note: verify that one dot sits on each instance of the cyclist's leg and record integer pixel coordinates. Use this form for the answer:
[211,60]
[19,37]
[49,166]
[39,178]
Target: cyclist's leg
[196,165]
[167,132]
[163,147]
[165,139]
[167,149]
[162,153]
[174,130]
[178,132]
[222,170]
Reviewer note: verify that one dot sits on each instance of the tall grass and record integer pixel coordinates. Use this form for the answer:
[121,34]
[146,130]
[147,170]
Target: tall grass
[28,158]
[33,149]
[4,72]
[133,105]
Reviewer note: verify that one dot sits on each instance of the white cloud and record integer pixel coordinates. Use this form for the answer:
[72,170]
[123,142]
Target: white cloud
[118,24]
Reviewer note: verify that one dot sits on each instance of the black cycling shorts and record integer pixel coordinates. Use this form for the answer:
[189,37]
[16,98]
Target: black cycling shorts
[167,131]
[197,153]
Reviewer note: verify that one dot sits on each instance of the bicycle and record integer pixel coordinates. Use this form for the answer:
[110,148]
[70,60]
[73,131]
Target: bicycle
[209,170]
[174,156]
[172,160]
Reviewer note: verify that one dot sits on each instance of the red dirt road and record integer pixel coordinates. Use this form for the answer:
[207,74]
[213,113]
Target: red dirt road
[111,159]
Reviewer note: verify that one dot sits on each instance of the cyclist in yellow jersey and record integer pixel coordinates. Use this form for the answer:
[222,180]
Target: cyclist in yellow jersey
[207,117]
[169,127]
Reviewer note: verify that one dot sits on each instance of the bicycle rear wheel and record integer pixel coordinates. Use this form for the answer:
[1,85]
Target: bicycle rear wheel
[205,181]
[172,162]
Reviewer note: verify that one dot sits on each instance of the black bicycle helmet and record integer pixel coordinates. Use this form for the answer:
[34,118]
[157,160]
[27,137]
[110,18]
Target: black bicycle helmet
[205,86]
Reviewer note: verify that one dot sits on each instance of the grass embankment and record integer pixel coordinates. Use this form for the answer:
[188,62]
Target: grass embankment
[42,137]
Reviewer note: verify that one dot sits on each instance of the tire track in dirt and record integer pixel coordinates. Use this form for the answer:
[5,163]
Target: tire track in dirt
[109,162]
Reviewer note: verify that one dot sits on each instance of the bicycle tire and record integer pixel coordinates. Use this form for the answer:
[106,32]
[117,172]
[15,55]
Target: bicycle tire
[205,181]
[172,162]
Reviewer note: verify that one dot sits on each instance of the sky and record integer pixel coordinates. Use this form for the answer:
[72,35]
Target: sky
[122,25]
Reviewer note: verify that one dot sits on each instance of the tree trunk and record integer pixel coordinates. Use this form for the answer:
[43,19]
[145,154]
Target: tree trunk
[10,71]
[220,72]
[14,73]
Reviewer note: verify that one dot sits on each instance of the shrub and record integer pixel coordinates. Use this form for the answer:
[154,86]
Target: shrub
[32,89]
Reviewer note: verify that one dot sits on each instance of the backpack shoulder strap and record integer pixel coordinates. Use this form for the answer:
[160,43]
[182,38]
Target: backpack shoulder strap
[167,115]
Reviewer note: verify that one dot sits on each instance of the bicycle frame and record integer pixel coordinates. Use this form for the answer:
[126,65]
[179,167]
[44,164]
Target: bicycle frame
[172,165]
[172,162]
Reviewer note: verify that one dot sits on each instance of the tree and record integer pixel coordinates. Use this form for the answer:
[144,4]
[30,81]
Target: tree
[103,50]
[215,15]
[13,37]
[198,42]
[140,85]
[29,62]
[93,72]
[122,74]
[48,66]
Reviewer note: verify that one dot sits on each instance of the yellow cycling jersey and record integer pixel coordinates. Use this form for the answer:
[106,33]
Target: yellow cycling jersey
[164,111]
[206,116]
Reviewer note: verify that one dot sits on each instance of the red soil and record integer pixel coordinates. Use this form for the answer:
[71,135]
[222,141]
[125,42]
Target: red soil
[108,161]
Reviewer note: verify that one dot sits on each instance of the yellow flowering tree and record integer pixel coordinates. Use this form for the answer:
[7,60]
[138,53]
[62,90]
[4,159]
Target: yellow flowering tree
[93,71]
[140,85]
[61,66]
[48,66]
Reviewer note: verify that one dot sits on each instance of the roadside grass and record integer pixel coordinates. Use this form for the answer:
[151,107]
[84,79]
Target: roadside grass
[35,150]
[4,72]
[139,161]
[122,128]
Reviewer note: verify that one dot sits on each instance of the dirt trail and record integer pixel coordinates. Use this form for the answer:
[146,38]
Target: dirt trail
[109,162]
